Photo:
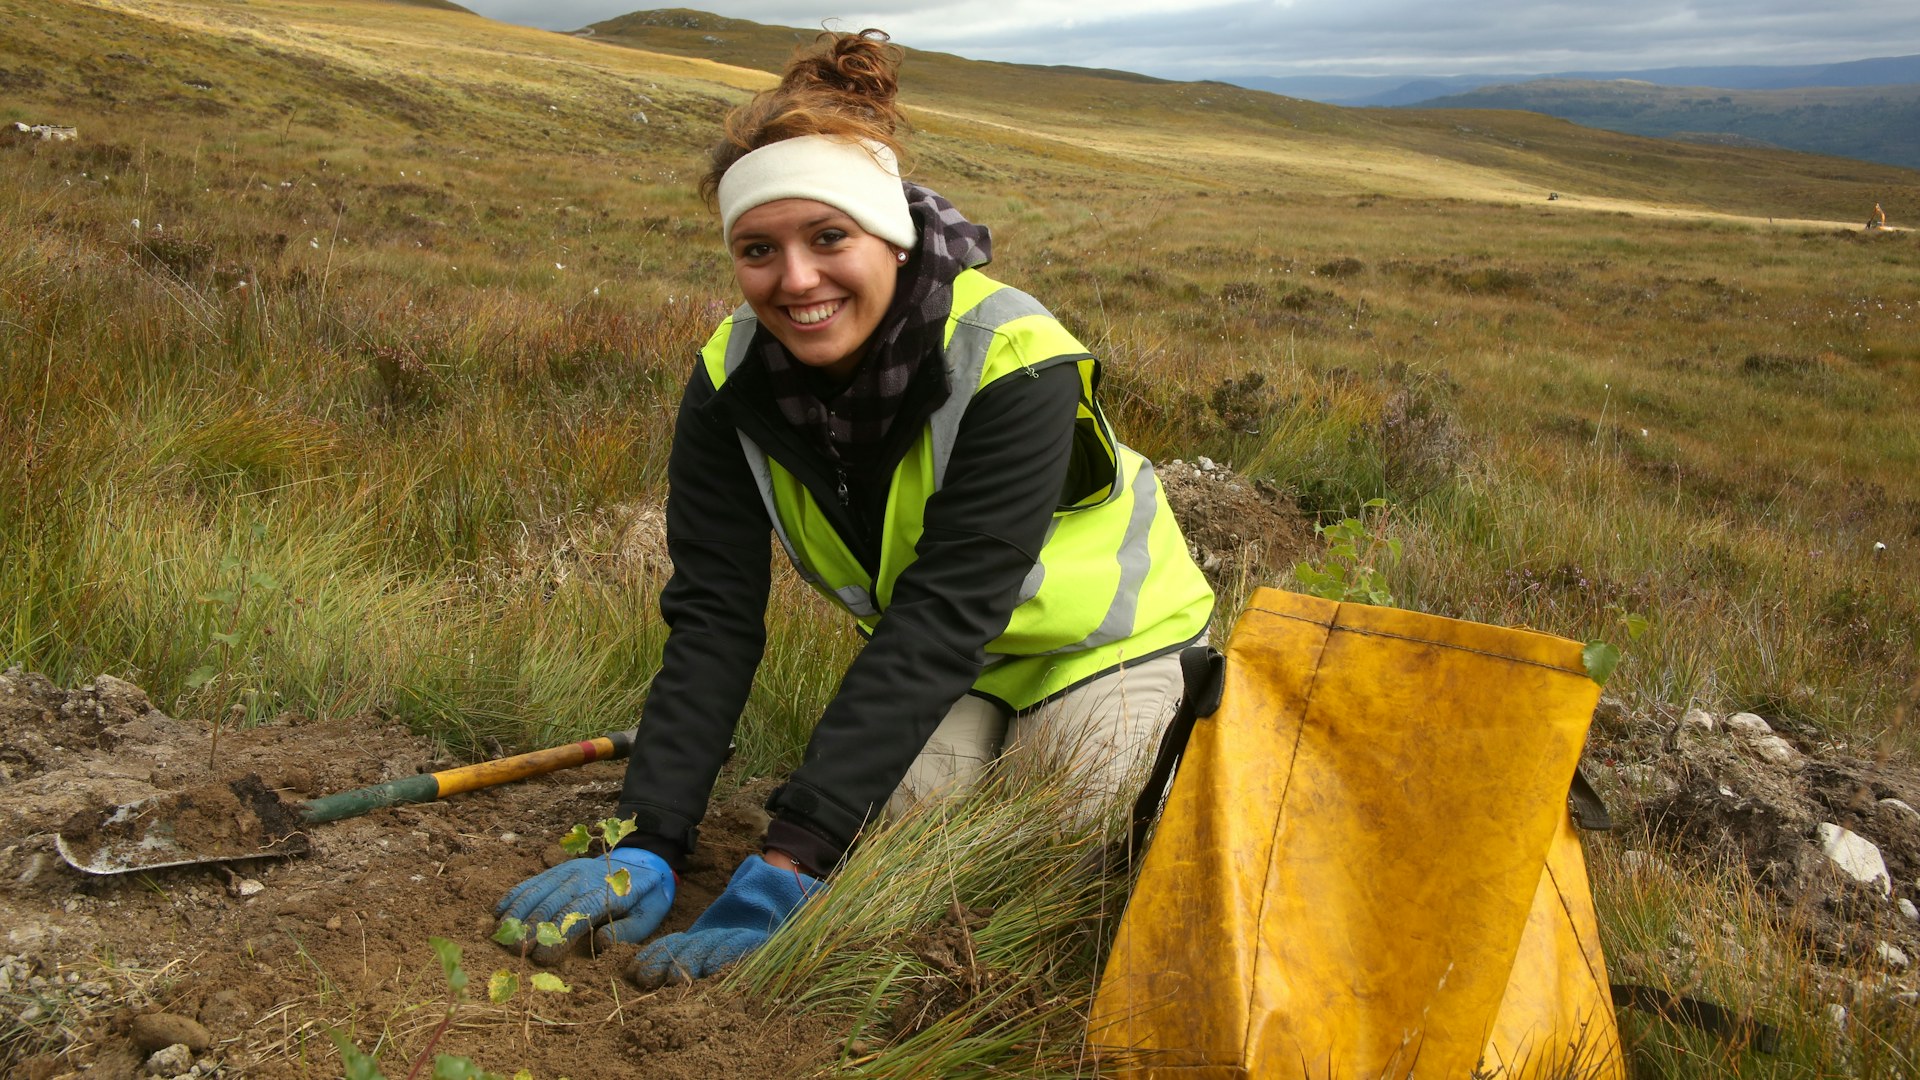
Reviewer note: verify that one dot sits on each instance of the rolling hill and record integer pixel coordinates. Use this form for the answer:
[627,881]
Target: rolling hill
[1216,131]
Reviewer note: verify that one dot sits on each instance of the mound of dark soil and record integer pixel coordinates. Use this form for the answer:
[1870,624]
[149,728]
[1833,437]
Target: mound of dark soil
[1236,529]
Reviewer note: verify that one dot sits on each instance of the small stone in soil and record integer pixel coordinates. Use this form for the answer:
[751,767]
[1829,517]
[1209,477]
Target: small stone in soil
[170,1060]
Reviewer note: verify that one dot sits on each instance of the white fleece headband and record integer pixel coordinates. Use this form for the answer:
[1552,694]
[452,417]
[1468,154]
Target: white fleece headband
[861,179]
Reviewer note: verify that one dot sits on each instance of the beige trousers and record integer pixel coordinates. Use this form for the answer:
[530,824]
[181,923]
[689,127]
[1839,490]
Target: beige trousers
[1105,732]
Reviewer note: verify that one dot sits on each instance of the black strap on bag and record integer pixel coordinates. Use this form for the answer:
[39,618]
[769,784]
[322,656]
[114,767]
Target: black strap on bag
[1203,676]
[1584,804]
[1700,1015]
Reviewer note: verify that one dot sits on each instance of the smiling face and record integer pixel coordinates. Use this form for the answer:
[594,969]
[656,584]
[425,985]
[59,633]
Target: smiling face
[815,279]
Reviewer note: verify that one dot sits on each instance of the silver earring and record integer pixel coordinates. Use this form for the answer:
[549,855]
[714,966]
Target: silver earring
[900,257]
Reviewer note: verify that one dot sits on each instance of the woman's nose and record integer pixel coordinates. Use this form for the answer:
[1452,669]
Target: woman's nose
[798,271]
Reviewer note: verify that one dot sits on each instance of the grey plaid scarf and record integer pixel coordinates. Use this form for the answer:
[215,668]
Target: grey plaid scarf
[857,417]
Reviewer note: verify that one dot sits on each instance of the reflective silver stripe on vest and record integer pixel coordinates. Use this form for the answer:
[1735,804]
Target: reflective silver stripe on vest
[745,322]
[1135,557]
[966,356]
[1036,577]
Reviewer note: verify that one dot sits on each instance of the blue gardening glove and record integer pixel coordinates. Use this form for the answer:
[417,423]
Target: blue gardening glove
[581,885]
[757,900]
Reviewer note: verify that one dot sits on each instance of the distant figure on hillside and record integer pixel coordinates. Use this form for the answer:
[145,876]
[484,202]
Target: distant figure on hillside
[1879,218]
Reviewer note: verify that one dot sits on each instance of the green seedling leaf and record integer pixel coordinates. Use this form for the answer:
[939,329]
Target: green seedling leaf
[548,934]
[449,956]
[1600,659]
[570,918]
[614,830]
[621,882]
[201,676]
[224,638]
[260,579]
[549,982]
[576,840]
[356,1065]
[501,986]
[229,563]
[449,1067]
[511,931]
[1636,625]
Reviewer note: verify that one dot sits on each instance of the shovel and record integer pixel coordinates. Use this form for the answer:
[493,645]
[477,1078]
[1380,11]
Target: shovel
[245,820]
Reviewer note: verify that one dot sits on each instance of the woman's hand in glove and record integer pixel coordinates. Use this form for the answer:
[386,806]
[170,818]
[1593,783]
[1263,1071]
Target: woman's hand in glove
[757,900]
[581,885]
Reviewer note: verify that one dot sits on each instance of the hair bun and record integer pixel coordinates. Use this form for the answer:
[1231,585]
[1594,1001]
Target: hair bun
[863,66]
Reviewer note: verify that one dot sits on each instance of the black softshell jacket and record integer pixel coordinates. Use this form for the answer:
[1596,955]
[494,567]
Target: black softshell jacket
[984,530]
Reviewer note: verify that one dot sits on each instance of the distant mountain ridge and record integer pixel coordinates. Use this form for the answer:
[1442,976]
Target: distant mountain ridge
[1390,90]
[1872,123]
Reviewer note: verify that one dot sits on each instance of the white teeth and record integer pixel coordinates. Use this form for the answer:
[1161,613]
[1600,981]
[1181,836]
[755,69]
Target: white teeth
[807,316]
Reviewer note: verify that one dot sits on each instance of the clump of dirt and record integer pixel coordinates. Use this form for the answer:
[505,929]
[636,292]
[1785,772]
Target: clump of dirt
[1235,528]
[956,978]
[698,1037]
[1718,790]
[270,955]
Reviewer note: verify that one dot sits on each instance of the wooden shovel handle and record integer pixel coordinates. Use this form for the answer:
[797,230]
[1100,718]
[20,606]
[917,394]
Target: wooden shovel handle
[427,787]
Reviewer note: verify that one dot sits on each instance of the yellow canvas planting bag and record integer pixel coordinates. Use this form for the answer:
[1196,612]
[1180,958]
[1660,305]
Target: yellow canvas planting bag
[1366,866]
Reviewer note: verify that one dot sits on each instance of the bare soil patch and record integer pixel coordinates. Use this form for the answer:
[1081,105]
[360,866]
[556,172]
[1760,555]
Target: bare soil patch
[1718,795]
[267,955]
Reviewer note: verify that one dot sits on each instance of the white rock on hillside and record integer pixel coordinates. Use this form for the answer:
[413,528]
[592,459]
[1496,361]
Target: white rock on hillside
[1908,909]
[1856,855]
[1901,807]
[1775,749]
[1700,719]
[1747,723]
[1891,955]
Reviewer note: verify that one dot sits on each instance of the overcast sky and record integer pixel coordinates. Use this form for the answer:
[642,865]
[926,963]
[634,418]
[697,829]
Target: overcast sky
[1192,39]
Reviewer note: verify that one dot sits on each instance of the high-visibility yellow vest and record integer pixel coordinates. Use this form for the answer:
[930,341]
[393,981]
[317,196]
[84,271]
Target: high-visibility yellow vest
[1113,582]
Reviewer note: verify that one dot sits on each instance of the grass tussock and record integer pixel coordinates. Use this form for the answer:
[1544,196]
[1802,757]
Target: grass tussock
[962,939]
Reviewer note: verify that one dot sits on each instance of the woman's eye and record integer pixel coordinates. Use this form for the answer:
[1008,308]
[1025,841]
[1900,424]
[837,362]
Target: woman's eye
[830,237]
[756,251]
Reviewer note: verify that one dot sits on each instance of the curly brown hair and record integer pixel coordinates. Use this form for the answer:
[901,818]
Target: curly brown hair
[843,84]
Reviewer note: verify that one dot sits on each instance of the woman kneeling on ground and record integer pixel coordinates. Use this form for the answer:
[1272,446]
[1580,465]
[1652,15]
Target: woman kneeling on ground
[927,446]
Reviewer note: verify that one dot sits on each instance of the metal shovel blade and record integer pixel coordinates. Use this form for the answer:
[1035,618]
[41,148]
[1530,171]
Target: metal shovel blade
[216,822]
